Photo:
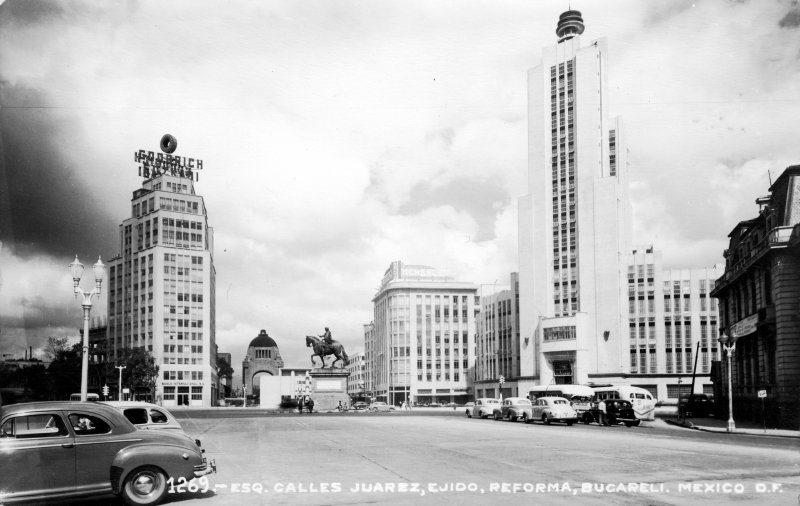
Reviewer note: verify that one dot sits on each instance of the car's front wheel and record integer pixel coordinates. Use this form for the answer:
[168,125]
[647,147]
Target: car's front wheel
[496,415]
[469,414]
[146,485]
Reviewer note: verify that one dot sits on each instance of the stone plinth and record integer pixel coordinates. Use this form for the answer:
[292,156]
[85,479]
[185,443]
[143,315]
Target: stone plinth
[328,387]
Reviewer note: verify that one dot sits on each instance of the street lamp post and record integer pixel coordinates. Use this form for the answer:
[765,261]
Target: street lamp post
[77,271]
[119,386]
[729,350]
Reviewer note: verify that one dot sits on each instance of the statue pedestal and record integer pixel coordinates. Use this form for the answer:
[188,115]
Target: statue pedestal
[328,387]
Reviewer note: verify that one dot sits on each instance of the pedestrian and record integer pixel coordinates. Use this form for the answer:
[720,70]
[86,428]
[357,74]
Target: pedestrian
[601,409]
[310,405]
[300,405]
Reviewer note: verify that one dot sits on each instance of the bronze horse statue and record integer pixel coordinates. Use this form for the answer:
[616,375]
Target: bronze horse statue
[322,349]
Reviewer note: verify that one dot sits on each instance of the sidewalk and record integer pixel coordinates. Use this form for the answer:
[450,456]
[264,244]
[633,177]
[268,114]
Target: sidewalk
[721,425]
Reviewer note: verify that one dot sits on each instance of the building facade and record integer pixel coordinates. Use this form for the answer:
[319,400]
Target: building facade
[574,223]
[593,309]
[357,375]
[672,327]
[497,353]
[759,298]
[421,344]
[162,289]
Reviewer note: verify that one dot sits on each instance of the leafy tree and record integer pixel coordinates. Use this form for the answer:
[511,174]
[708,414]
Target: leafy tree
[224,370]
[141,372]
[64,373]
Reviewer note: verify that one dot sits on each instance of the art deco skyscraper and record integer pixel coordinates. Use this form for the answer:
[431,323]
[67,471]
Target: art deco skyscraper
[162,288]
[574,223]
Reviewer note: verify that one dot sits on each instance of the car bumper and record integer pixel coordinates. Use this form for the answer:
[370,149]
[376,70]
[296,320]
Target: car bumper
[207,467]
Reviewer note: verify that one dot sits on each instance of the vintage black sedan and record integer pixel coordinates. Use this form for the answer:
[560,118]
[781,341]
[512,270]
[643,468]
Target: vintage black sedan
[53,450]
[616,411]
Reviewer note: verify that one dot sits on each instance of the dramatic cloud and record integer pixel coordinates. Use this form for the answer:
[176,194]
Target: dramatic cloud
[338,136]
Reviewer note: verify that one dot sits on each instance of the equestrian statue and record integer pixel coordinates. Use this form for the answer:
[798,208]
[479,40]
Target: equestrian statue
[325,345]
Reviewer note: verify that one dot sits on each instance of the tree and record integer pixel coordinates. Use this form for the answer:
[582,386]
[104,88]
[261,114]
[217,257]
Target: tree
[64,373]
[224,370]
[141,372]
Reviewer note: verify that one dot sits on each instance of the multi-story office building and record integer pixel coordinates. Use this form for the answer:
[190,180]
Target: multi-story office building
[672,327]
[356,379]
[593,310]
[161,289]
[421,345]
[759,297]
[574,223]
[497,343]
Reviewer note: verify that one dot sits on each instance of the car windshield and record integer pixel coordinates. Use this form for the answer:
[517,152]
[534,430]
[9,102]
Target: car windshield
[559,401]
[492,401]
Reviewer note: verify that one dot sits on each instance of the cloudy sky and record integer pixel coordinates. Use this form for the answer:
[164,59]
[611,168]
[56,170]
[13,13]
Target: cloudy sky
[339,135]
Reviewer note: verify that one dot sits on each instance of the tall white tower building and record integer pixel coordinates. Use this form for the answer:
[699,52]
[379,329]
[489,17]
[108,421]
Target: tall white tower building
[574,223]
[162,289]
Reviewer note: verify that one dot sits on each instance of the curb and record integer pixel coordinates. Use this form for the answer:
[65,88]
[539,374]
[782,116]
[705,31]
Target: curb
[690,425]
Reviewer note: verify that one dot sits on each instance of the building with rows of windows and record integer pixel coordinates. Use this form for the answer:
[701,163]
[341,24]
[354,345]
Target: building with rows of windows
[162,289]
[420,346]
[356,375]
[759,298]
[593,309]
[497,350]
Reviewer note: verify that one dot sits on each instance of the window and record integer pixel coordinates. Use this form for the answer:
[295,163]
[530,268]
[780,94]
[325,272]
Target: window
[136,415]
[86,425]
[35,426]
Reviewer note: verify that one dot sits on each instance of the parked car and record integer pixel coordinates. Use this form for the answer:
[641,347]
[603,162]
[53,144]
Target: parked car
[145,415]
[617,411]
[698,406]
[380,406]
[360,406]
[513,409]
[553,409]
[483,408]
[60,450]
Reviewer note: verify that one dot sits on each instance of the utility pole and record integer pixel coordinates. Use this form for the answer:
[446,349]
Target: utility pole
[119,394]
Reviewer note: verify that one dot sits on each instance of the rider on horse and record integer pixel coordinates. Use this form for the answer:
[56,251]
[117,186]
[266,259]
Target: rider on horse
[326,337]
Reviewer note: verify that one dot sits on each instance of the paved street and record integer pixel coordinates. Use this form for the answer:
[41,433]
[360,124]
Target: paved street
[402,458]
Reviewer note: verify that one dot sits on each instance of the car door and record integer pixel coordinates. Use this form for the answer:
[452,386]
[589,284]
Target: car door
[38,455]
[536,409]
[96,444]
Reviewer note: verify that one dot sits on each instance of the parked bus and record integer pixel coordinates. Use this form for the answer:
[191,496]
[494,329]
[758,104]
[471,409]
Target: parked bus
[642,400]
[89,397]
[579,396]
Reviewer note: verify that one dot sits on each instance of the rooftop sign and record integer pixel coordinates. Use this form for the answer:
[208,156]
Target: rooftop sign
[154,164]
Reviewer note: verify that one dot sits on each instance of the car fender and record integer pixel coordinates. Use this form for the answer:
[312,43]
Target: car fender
[175,461]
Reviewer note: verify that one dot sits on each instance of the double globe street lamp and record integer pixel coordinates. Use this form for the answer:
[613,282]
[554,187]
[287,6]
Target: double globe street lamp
[77,271]
[729,349]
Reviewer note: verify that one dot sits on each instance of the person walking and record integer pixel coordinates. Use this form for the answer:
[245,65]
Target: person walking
[310,405]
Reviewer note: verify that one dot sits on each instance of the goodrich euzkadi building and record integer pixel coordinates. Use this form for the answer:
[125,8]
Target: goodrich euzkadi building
[161,285]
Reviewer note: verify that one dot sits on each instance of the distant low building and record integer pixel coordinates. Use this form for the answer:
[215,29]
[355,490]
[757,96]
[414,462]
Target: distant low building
[759,298]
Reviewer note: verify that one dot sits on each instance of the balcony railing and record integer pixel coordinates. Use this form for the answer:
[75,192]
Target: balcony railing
[777,237]
[780,235]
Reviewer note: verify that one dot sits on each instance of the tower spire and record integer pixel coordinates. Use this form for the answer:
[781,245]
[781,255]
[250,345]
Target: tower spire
[570,24]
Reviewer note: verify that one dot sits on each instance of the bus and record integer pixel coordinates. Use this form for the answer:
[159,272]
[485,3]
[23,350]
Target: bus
[89,397]
[642,400]
[579,396]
